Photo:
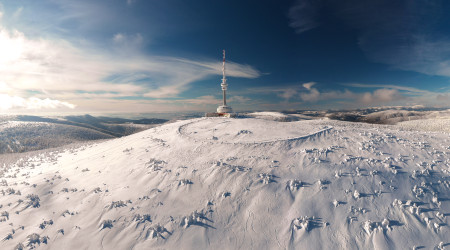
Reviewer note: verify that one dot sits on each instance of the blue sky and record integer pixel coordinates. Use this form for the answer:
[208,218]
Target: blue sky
[162,56]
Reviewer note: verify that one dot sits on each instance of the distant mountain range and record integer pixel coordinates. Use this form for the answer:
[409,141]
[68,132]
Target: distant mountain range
[23,133]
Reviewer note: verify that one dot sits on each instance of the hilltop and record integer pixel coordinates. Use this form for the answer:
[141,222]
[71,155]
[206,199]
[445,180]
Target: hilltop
[250,183]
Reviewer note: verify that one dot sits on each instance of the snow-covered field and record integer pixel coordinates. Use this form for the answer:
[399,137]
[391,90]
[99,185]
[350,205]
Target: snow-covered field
[219,183]
[435,124]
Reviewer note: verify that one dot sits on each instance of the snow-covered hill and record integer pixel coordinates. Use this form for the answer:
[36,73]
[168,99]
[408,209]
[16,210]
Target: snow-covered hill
[23,133]
[19,136]
[218,183]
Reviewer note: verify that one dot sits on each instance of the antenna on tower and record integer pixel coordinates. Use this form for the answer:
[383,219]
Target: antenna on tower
[224,108]
[224,82]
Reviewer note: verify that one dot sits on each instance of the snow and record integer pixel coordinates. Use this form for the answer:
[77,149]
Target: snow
[13,124]
[250,183]
[277,116]
[437,124]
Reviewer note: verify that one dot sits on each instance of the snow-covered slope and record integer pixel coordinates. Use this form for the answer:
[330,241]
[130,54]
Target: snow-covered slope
[20,136]
[434,124]
[218,183]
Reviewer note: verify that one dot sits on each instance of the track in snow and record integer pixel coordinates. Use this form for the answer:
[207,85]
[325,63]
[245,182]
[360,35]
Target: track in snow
[246,131]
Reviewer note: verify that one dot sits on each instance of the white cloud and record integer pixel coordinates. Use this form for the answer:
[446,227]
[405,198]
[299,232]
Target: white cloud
[128,41]
[313,95]
[58,69]
[4,88]
[8,102]
[239,99]
[202,100]
[384,94]
[444,98]
[379,96]
[405,95]
[308,85]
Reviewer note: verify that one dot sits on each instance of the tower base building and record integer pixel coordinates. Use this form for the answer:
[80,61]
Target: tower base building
[224,109]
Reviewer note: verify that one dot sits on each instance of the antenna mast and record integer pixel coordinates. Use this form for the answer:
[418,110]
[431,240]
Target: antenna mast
[224,82]
[224,109]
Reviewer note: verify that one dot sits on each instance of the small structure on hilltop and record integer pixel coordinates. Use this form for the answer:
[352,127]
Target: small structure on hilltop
[224,109]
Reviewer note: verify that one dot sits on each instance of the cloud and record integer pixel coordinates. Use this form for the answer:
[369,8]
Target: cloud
[384,94]
[239,99]
[390,86]
[308,95]
[308,85]
[396,33]
[288,94]
[381,96]
[4,88]
[408,94]
[284,92]
[202,100]
[130,2]
[304,14]
[8,102]
[313,95]
[18,12]
[445,98]
[59,69]
[128,42]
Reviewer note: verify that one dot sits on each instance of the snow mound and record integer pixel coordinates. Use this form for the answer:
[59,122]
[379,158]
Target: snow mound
[217,183]
[248,130]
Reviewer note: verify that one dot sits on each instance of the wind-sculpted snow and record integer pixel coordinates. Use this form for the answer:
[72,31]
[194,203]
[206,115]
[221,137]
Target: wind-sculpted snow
[219,183]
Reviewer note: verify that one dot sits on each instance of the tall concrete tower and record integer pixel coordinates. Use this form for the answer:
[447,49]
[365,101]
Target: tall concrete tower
[224,108]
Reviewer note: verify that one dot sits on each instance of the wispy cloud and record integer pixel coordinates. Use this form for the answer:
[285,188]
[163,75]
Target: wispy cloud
[202,100]
[420,54]
[58,67]
[304,14]
[390,86]
[396,33]
[18,12]
[128,43]
[130,2]
[1,11]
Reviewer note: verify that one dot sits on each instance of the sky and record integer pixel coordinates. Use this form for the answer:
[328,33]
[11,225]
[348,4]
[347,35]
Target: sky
[136,56]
